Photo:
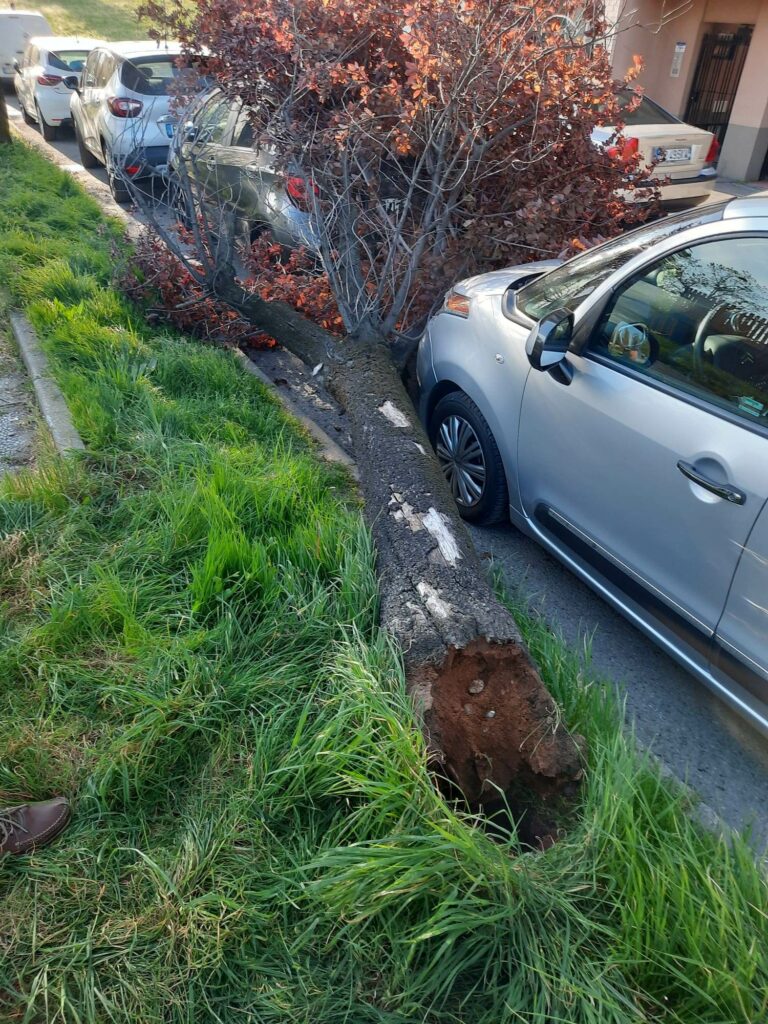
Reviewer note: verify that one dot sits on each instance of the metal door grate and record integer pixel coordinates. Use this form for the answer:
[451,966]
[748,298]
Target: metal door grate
[718,70]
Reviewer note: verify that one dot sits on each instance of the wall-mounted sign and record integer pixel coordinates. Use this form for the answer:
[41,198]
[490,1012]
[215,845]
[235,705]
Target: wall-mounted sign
[677,60]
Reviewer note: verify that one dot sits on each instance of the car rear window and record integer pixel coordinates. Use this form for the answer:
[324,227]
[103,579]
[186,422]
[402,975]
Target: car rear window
[68,60]
[647,112]
[150,76]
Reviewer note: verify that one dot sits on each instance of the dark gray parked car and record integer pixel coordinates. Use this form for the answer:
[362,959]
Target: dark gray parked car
[616,408]
[214,147]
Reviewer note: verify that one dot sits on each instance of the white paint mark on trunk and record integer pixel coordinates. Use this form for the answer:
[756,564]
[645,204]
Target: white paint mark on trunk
[393,414]
[437,525]
[405,512]
[436,605]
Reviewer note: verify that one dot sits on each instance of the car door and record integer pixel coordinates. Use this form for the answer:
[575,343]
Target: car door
[26,79]
[201,152]
[650,467]
[740,652]
[89,100]
[242,172]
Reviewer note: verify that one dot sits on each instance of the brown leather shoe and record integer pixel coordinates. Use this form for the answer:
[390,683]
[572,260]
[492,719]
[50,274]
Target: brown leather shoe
[29,826]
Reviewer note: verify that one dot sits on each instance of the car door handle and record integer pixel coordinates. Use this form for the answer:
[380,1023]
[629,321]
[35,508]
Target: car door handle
[732,494]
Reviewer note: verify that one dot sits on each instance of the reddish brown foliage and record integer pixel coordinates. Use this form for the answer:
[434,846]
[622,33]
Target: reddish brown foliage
[294,279]
[160,280]
[444,137]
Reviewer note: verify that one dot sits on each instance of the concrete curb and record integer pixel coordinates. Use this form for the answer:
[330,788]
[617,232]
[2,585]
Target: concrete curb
[103,197]
[52,403]
[331,451]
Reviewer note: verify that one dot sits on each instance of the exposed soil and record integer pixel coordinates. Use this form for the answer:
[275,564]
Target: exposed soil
[489,723]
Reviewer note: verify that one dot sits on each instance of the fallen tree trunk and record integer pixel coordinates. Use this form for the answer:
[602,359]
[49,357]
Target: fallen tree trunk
[492,727]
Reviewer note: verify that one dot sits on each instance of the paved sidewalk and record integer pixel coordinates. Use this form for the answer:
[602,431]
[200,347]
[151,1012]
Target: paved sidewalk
[17,409]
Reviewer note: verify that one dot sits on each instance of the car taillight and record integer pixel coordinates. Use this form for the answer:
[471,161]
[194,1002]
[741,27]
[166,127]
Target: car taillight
[49,79]
[133,169]
[713,152]
[296,187]
[627,151]
[121,107]
[457,303]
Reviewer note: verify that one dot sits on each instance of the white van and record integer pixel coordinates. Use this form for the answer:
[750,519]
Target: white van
[16,29]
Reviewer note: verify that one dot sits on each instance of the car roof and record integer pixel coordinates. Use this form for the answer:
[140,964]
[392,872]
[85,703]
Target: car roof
[143,48]
[23,14]
[747,206]
[60,42]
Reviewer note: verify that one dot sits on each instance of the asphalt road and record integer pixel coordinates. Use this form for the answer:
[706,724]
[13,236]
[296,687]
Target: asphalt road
[691,731]
[696,736]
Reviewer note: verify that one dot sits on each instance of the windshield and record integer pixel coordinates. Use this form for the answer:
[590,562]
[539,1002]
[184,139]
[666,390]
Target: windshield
[569,284]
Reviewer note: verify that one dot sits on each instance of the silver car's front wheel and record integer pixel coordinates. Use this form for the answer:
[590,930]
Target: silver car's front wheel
[469,458]
[461,457]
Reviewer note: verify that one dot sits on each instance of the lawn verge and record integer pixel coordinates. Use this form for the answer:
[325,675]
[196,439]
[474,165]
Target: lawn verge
[188,647]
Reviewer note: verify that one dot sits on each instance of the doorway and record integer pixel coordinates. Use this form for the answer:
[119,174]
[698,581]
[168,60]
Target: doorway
[716,79]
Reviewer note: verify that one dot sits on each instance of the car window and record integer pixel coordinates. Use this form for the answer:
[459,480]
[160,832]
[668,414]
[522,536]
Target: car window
[68,60]
[212,120]
[571,283]
[243,137]
[89,74]
[646,112]
[150,76]
[104,69]
[697,320]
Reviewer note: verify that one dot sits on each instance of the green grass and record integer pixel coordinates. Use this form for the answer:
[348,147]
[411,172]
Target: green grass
[188,647]
[102,19]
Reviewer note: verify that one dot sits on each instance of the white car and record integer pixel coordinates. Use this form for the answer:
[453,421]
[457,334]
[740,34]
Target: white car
[121,112]
[47,75]
[16,29]
[683,156]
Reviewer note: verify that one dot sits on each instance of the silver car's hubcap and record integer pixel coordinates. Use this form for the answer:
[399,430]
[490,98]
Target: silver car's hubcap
[461,457]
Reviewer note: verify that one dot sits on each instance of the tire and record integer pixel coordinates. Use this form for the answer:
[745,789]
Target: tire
[470,459]
[120,191]
[48,131]
[87,159]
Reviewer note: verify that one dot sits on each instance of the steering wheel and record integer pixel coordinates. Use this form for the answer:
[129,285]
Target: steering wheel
[702,332]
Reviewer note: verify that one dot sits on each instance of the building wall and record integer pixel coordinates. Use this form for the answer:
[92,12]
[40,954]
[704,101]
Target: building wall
[746,140]
[640,30]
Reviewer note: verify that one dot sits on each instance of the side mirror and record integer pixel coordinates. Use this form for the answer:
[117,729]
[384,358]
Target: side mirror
[16,65]
[548,342]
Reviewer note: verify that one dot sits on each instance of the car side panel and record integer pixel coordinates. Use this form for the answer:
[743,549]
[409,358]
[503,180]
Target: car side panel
[494,378]
[741,647]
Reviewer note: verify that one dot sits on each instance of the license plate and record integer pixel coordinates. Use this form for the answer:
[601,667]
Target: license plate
[671,156]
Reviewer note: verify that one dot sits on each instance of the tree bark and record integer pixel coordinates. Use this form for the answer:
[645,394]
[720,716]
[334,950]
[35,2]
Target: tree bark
[492,727]
[5,127]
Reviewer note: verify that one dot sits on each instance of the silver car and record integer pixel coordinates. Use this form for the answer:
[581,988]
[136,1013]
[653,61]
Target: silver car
[616,408]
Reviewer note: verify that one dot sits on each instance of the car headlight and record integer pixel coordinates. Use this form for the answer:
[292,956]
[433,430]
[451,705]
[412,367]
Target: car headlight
[457,303]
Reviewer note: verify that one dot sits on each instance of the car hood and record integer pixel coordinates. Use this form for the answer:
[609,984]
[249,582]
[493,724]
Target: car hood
[497,281]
